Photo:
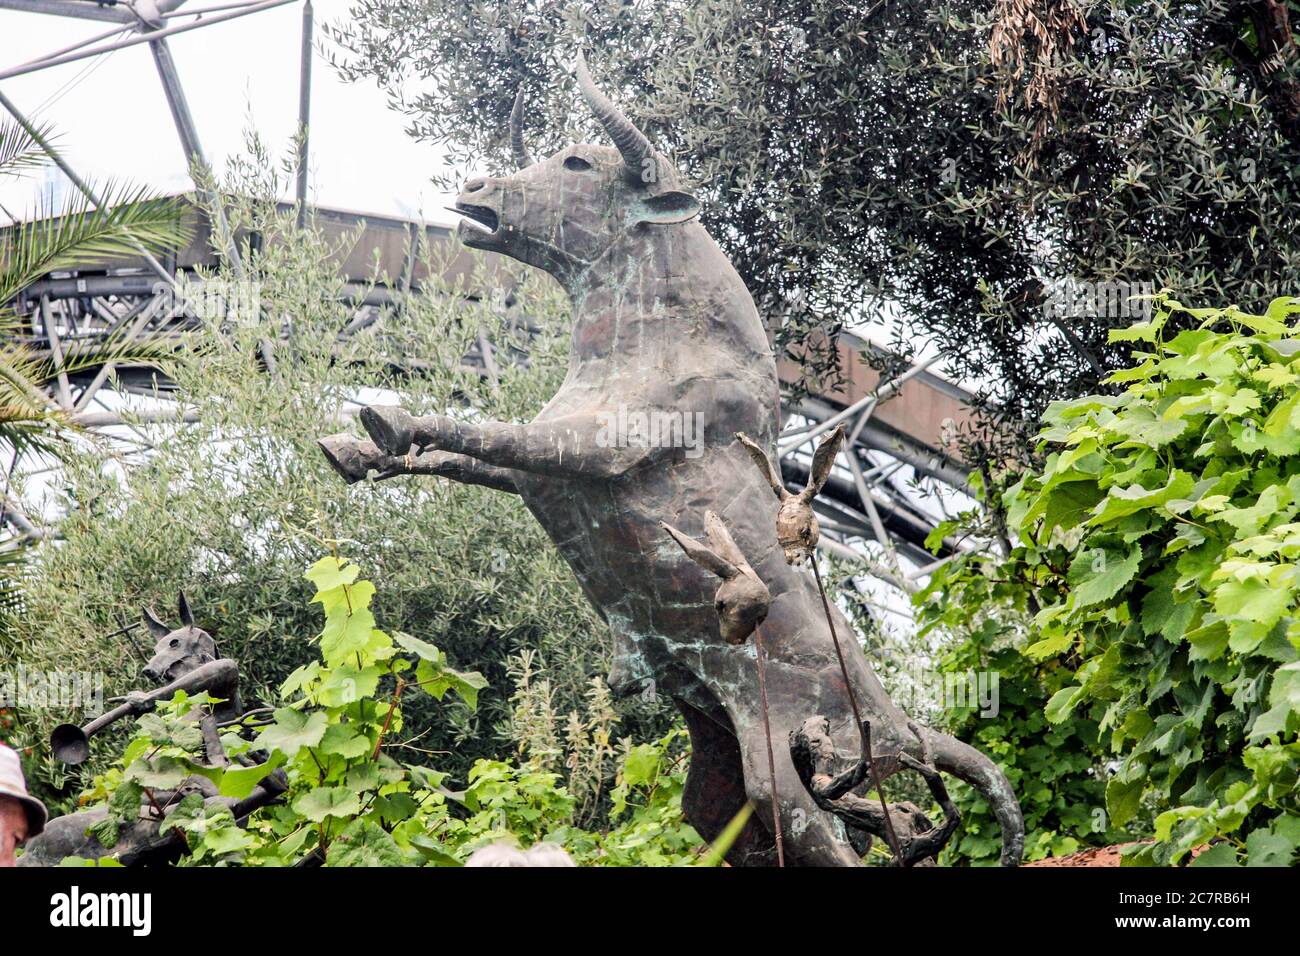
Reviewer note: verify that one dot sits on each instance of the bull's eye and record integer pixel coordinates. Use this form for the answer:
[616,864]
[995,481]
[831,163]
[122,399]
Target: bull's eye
[174,643]
[577,164]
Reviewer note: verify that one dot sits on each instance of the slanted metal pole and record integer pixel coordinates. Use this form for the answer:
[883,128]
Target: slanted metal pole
[189,135]
[80,53]
[56,352]
[793,439]
[105,370]
[304,109]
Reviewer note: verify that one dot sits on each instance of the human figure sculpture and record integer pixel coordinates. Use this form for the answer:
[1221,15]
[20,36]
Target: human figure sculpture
[663,327]
[813,754]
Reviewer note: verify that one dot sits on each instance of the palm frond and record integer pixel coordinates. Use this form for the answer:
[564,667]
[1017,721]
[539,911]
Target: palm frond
[19,150]
[30,421]
[60,239]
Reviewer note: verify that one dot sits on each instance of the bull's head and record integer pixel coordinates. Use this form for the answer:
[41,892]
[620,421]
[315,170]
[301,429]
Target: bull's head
[179,650]
[563,213]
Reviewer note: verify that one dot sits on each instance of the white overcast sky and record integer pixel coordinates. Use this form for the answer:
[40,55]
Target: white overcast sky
[113,120]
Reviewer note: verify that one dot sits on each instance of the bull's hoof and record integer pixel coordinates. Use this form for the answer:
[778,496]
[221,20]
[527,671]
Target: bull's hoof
[392,428]
[349,456]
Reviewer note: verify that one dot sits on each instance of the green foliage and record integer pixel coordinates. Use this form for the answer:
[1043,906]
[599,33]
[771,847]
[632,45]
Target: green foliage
[32,424]
[349,801]
[1158,543]
[1056,770]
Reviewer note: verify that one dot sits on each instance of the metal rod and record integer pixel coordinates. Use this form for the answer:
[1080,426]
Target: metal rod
[97,38]
[304,109]
[869,505]
[771,760]
[489,363]
[39,62]
[107,368]
[887,391]
[110,419]
[893,388]
[863,729]
[56,352]
[929,568]
[136,40]
[14,516]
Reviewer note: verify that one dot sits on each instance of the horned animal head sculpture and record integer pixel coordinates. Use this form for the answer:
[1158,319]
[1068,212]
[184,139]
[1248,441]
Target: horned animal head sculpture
[557,213]
[742,598]
[179,649]
[796,525]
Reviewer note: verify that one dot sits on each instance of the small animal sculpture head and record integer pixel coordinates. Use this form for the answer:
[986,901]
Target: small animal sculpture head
[796,525]
[742,598]
[563,213]
[811,748]
[179,650]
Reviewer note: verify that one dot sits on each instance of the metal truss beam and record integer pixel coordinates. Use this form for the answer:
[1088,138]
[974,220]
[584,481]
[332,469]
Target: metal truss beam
[151,35]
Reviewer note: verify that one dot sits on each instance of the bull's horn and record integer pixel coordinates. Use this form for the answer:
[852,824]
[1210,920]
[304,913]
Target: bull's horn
[517,148]
[631,142]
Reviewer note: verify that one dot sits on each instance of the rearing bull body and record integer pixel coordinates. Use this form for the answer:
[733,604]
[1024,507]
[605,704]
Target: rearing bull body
[663,326]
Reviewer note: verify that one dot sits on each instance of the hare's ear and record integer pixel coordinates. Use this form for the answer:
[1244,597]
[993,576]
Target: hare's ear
[702,555]
[182,605]
[771,473]
[721,542]
[823,462]
[156,627]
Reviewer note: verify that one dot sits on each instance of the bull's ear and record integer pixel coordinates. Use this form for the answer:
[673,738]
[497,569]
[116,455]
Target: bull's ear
[183,606]
[156,627]
[666,208]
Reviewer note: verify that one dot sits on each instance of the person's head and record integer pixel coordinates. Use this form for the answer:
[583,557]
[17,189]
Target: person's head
[503,854]
[22,816]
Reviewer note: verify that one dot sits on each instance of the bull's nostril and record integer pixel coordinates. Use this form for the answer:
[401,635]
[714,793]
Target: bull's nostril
[474,185]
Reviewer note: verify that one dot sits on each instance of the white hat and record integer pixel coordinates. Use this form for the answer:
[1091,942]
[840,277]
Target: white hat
[14,786]
[503,854]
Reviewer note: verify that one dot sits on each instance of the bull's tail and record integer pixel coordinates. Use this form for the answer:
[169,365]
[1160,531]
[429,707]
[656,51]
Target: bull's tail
[970,766]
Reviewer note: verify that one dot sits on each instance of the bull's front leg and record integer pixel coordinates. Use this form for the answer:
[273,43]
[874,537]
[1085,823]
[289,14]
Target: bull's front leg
[355,458]
[575,446]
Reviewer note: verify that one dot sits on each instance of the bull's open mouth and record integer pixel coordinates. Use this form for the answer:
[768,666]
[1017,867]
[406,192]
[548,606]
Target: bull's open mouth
[477,221]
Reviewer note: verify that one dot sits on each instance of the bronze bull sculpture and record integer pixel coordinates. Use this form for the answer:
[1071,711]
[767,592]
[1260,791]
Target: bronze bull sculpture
[664,328]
